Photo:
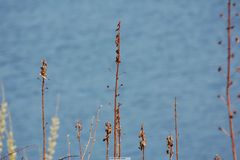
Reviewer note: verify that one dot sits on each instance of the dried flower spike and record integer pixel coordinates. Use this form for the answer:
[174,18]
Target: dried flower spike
[52,140]
[170,146]
[11,146]
[78,127]
[43,72]
[108,131]
[143,141]
[3,114]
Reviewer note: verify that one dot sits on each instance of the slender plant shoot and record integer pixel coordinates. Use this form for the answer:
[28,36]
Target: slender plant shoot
[43,74]
[229,82]
[117,145]
[176,126]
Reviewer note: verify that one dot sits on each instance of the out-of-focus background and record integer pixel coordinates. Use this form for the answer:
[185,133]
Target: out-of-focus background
[168,47]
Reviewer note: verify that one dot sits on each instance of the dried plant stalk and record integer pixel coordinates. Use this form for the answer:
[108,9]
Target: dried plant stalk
[12,152]
[143,141]
[11,146]
[117,145]
[52,140]
[3,113]
[78,126]
[69,147]
[43,74]
[176,126]
[108,131]
[94,132]
[89,139]
[230,114]
[170,146]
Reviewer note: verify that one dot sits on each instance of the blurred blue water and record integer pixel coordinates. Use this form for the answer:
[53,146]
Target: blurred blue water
[168,49]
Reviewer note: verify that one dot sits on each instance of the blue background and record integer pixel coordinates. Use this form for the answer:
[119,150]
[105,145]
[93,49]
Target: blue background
[168,47]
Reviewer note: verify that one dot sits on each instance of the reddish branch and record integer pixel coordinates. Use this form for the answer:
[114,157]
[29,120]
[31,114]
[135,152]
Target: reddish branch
[230,114]
[117,145]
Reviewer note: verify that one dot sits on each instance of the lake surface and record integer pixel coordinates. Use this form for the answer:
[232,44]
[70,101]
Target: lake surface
[168,48]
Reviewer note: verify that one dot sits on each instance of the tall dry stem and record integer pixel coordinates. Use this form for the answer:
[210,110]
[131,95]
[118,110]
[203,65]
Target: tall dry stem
[43,74]
[117,145]
[229,82]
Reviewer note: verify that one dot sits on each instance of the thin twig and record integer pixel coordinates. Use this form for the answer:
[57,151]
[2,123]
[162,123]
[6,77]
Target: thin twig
[78,126]
[176,126]
[62,158]
[69,147]
[94,132]
[17,150]
[89,140]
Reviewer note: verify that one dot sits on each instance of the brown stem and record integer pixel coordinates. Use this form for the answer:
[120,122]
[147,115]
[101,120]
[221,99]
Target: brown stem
[176,126]
[80,148]
[43,121]
[116,153]
[230,115]
[143,154]
[107,148]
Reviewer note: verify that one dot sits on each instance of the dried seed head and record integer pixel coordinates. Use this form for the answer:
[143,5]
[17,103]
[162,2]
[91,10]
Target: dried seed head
[142,136]
[78,127]
[221,15]
[170,146]
[219,69]
[3,115]
[52,140]
[117,42]
[43,72]
[237,40]
[219,42]
[108,131]
[11,146]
